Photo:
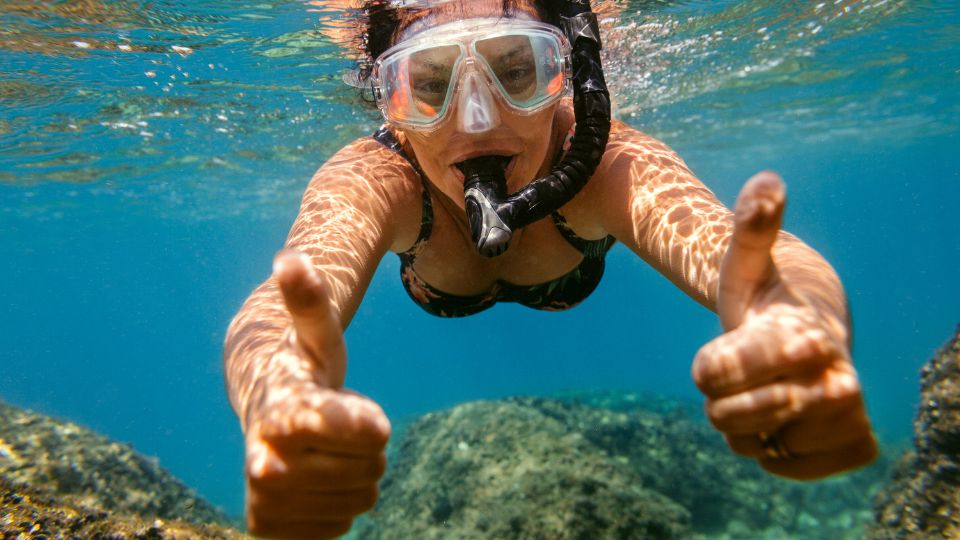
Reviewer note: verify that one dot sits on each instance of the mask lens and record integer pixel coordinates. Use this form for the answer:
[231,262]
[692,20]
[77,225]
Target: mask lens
[527,67]
[417,85]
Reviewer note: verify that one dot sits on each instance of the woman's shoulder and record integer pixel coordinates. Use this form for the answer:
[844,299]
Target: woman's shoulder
[623,136]
[630,150]
[367,162]
[631,156]
[373,179]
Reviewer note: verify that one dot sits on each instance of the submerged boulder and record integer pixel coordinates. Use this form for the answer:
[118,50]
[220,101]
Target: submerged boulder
[613,465]
[506,470]
[923,500]
[63,480]
[29,513]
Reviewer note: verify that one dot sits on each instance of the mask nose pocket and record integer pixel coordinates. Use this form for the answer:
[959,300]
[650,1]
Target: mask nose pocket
[476,107]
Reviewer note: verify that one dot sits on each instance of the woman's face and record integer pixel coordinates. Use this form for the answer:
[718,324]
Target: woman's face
[526,138]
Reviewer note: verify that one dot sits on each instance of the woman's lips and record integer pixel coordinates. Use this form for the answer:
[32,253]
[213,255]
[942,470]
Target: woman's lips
[458,174]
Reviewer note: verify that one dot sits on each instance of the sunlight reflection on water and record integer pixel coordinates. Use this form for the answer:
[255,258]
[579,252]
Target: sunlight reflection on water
[237,102]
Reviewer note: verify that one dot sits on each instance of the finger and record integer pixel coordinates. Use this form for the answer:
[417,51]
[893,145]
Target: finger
[747,264]
[310,529]
[815,466]
[811,435]
[316,324]
[340,422]
[753,356]
[307,505]
[330,472]
[769,407]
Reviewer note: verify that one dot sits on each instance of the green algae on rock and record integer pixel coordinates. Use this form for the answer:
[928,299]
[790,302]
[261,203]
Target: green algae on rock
[506,470]
[61,480]
[610,465]
[923,500]
[27,513]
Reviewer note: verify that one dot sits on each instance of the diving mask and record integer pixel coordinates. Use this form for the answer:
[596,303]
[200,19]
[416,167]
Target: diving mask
[525,63]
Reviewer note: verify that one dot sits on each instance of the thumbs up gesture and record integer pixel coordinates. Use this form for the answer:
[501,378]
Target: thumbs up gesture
[779,382]
[314,451]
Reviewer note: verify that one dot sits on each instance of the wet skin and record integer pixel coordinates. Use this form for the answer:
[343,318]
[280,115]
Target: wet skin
[783,367]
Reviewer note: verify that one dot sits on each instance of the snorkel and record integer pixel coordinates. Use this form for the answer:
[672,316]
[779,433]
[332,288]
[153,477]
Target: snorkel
[495,215]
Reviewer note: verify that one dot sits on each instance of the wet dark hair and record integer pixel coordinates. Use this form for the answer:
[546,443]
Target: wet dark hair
[382,22]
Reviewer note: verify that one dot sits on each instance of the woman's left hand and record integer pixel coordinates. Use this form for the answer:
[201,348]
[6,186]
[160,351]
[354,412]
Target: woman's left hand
[779,382]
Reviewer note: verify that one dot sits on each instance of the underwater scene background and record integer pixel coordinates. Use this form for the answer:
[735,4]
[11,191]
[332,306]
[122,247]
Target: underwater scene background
[153,154]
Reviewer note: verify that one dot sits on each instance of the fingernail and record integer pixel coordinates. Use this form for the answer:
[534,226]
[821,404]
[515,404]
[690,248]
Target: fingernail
[277,264]
[307,261]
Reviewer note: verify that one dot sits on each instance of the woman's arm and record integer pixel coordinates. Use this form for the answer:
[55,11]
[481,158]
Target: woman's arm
[779,382]
[655,205]
[315,451]
[358,205]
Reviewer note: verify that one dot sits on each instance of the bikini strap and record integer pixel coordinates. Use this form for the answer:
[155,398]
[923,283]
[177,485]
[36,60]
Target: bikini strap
[387,138]
[591,249]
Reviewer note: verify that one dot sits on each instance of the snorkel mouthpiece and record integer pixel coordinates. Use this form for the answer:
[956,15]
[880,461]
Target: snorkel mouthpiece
[493,214]
[484,186]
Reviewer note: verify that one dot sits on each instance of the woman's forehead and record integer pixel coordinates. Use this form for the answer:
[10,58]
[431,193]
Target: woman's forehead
[443,12]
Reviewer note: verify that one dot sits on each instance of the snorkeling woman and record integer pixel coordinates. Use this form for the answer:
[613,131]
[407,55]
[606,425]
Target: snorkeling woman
[492,187]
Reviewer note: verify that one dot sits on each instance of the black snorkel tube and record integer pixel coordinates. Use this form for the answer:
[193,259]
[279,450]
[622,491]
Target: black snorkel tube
[494,215]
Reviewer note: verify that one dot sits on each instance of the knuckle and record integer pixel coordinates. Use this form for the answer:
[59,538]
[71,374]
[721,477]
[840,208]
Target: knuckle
[371,425]
[842,387]
[713,367]
[737,413]
[697,371]
[718,413]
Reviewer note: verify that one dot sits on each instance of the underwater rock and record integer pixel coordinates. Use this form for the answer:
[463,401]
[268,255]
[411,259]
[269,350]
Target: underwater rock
[612,465]
[506,470]
[923,500]
[70,476]
[27,513]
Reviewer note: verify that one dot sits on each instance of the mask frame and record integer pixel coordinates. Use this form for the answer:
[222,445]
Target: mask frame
[391,78]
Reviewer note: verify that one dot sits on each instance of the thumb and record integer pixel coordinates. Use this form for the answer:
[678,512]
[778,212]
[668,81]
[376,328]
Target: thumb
[315,322]
[747,265]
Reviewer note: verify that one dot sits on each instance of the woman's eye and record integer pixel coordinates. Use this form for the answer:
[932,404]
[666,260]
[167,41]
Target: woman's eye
[431,86]
[517,78]
[516,74]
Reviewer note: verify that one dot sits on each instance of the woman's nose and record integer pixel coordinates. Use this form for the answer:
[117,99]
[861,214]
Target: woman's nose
[476,106]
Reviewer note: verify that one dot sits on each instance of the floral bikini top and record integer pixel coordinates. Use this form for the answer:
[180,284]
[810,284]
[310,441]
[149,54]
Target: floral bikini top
[558,294]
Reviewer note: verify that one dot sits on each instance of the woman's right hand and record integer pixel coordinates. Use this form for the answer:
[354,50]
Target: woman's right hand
[314,451]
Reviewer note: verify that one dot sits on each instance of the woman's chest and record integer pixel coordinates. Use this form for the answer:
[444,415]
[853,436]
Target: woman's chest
[448,260]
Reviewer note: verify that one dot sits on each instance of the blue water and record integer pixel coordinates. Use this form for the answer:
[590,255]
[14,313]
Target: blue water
[143,193]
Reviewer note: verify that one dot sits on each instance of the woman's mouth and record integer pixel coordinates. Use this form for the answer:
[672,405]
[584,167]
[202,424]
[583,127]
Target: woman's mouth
[458,174]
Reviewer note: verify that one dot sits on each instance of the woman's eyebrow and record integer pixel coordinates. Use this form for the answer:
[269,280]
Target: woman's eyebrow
[510,54]
[431,65]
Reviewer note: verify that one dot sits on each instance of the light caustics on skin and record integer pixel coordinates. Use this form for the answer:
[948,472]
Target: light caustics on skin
[337,232]
[683,230]
[797,346]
